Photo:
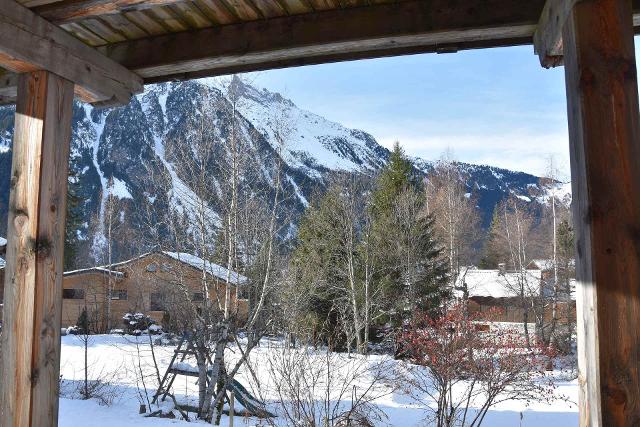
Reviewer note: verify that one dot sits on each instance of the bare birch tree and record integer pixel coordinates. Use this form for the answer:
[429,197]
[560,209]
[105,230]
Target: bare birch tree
[516,237]
[214,213]
[456,218]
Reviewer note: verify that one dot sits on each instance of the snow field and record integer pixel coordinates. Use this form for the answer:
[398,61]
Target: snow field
[118,362]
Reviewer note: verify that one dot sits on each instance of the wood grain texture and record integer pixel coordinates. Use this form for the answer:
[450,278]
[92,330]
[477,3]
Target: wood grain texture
[33,275]
[601,81]
[29,39]
[65,11]
[547,40]
[343,34]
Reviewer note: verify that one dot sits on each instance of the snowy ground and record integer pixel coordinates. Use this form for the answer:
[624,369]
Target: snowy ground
[118,361]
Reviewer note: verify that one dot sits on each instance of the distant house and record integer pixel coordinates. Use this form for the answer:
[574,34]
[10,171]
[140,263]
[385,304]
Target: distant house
[152,283]
[500,289]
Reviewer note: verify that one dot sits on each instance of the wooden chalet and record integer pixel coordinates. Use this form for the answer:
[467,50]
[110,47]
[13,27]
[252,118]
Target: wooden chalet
[154,284]
[103,51]
[491,289]
[157,284]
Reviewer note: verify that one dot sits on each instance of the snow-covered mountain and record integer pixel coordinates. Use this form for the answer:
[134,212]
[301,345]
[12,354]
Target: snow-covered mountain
[131,143]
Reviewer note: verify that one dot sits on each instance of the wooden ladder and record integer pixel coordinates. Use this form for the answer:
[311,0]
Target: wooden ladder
[172,371]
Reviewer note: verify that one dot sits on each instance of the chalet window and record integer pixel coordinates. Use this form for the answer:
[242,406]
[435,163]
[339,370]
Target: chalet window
[158,301]
[73,293]
[197,297]
[119,294]
[243,292]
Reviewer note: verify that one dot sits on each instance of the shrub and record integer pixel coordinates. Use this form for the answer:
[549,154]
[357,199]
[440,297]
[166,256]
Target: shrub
[136,323]
[461,367]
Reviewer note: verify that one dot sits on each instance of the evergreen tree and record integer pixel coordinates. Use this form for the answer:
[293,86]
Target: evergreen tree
[73,223]
[364,255]
[315,262]
[394,178]
[425,267]
[492,254]
[412,272]
[566,239]
[83,321]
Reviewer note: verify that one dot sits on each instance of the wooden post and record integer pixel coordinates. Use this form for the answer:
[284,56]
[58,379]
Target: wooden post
[33,278]
[602,95]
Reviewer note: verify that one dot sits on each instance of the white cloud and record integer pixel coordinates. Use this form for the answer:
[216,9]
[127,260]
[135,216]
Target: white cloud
[511,150]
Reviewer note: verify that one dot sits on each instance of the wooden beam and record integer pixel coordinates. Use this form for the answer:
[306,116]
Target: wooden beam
[604,133]
[66,11]
[547,40]
[444,48]
[9,91]
[412,26]
[28,43]
[33,275]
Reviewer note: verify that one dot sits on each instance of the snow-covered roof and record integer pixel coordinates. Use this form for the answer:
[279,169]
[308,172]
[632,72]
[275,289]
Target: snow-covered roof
[189,259]
[541,264]
[3,241]
[2,263]
[213,269]
[94,270]
[494,283]
[545,264]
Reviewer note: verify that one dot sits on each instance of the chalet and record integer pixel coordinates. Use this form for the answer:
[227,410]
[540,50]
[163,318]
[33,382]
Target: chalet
[149,284]
[501,289]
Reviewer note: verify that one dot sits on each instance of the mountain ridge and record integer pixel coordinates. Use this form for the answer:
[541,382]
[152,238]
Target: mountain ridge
[130,143]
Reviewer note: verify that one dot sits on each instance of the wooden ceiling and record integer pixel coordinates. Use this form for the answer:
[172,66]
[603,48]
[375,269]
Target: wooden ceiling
[99,23]
[161,40]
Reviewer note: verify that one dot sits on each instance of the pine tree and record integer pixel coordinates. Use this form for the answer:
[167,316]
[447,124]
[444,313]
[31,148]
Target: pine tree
[492,255]
[314,261]
[73,223]
[394,178]
[413,272]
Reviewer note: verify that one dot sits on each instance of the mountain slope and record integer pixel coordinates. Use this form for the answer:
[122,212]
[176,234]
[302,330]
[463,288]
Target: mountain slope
[148,137]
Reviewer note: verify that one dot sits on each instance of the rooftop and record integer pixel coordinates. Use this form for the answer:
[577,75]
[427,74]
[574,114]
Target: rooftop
[191,260]
[94,270]
[214,269]
[496,283]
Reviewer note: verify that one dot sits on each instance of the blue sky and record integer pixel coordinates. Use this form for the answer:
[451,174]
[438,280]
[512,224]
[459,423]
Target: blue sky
[496,106]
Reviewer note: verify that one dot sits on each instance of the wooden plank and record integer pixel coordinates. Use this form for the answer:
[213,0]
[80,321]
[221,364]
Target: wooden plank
[33,278]
[295,7]
[143,20]
[103,30]
[323,4]
[270,8]
[338,34]
[604,133]
[74,10]
[244,9]
[547,40]
[168,18]
[328,58]
[216,11]
[9,89]
[84,34]
[192,15]
[28,40]
[124,26]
